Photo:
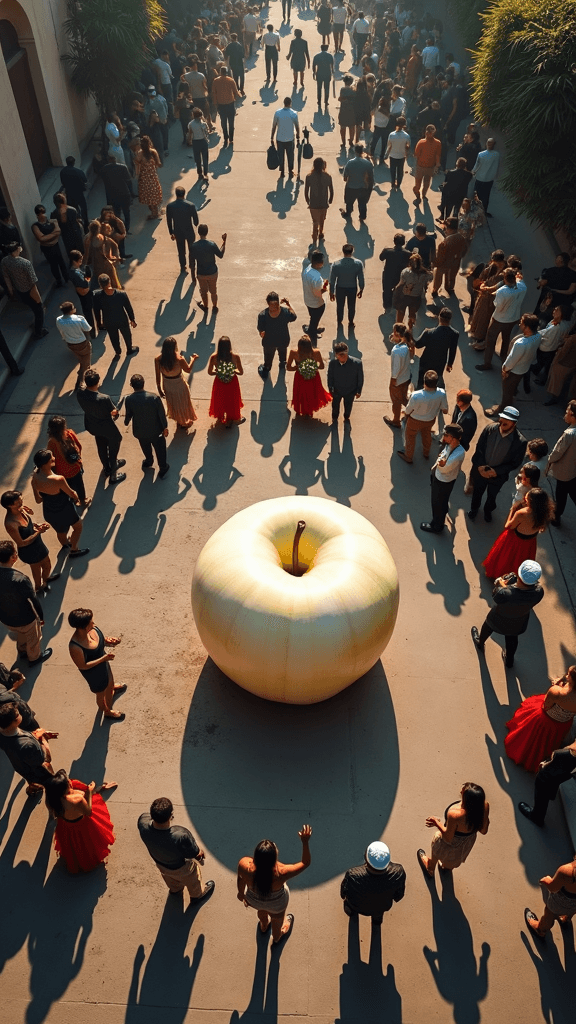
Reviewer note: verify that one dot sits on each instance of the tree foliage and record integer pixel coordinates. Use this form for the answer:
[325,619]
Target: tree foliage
[467,15]
[524,84]
[108,43]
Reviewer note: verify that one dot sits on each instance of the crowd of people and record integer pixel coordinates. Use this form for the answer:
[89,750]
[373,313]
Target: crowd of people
[405,87]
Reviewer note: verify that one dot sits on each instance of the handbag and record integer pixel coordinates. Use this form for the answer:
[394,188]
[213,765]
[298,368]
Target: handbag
[70,452]
[272,158]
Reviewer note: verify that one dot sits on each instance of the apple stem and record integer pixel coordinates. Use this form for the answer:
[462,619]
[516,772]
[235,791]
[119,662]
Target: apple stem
[299,531]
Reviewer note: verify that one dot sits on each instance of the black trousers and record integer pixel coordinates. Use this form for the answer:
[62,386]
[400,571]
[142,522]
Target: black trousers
[396,170]
[9,358]
[344,295]
[79,203]
[269,351]
[564,489]
[323,83]
[511,642]
[483,190]
[543,794]
[181,244]
[227,113]
[113,334]
[77,484]
[285,148]
[200,150]
[315,314]
[271,60]
[121,208]
[238,76]
[108,452]
[36,307]
[440,498]
[53,256]
[87,304]
[480,484]
[348,403]
[286,8]
[159,446]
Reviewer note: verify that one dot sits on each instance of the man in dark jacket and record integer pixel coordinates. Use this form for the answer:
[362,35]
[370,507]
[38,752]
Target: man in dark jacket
[20,609]
[75,183]
[560,768]
[345,380]
[100,414]
[149,424]
[118,185]
[28,752]
[394,259]
[440,345]
[181,216]
[500,449]
[515,595]
[465,416]
[455,189]
[113,307]
[374,886]
[10,681]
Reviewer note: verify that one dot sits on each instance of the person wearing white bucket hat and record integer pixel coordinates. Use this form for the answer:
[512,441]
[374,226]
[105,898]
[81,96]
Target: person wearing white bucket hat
[371,888]
[514,597]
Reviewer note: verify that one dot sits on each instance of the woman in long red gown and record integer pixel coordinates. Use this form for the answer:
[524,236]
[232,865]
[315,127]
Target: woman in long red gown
[308,393]
[518,540]
[541,723]
[226,400]
[84,832]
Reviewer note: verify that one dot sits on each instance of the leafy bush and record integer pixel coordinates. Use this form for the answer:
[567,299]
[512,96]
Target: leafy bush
[524,84]
[466,14]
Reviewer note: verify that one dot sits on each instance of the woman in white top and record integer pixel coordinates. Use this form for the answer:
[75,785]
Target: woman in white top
[381,130]
[114,132]
[198,137]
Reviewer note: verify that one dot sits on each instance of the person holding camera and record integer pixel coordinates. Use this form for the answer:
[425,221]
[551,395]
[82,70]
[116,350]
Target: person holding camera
[515,595]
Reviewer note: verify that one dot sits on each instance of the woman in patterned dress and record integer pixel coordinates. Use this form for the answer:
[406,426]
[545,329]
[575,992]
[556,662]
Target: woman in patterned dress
[149,187]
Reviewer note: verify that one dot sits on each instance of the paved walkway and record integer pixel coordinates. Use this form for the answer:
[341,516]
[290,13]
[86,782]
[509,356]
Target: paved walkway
[374,761]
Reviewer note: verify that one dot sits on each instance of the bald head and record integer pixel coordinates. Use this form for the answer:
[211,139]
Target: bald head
[490,143]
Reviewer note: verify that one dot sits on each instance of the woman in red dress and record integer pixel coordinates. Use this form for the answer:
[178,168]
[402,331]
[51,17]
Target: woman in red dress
[84,832]
[541,723]
[226,401]
[518,541]
[66,449]
[308,393]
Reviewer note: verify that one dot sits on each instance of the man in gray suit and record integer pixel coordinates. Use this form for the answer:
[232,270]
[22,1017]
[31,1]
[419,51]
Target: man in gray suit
[149,424]
[181,215]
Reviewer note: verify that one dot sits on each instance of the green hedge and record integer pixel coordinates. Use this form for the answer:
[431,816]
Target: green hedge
[524,84]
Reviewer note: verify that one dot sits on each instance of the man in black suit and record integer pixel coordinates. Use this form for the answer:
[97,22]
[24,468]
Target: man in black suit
[500,449]
[515,595]
[75,182]
[374,886]
[181,216]
[113,308]
[560,768]
[440,345]
[149,424]
[100,414]
[395,260]
[465,416]
[118,186]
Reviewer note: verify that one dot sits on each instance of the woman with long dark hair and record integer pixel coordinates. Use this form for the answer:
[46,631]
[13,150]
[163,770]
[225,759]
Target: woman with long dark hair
[69,223]
[318,193]
[66,449]
[27,536]
[170,366]
[518,540]
[456,835]
[101,253]
[410,290]
[541,722]
[262,884]
[58,502]
[226,399]
[84,831]
[149,187]
[308,393]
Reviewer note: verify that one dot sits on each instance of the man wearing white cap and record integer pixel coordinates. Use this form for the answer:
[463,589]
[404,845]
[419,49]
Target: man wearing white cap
[500,449]
[515,595]
[371,888]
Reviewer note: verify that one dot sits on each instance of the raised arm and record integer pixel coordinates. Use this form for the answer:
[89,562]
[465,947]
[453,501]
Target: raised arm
[287,871]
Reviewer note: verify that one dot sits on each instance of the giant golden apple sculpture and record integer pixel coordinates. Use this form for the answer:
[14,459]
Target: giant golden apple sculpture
[295,598]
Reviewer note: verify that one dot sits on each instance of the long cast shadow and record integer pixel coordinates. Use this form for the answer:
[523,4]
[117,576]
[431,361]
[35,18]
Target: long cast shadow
[367,995]
[557,982]
[270,423]
[307,439]
[21,885]
[263,1005]
[342,474]
[217,474]
[336,762]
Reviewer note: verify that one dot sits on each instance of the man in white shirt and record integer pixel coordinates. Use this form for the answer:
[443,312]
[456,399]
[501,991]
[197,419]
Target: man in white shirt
[551,337]
[508,299]
[397,150]
[485,170]
[519,361]
[421,413]
[430,55]
[76,333]
[399,375]
[314,286]
[164,76]
[285,126]
[339,15]
[251,26]
[397,105]
[444,473]
[199,91]
[271,44]
[360,33]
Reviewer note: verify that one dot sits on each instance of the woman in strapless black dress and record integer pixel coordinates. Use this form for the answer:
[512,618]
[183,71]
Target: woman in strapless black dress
[58,502]
[27,537]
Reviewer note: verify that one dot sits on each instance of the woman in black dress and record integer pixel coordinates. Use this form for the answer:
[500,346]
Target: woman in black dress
[324,18]
[27,537]
[87,650]
[69,223]
[298,55]
[58,502]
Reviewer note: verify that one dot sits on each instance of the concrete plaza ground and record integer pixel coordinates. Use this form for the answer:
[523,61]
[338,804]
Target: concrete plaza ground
[372,762]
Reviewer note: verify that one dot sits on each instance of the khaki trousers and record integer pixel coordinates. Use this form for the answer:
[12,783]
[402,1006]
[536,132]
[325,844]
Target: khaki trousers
[207,284]
[188,877]
[448,272]
[83,353]
[27,639]
[413,428]
[399,396]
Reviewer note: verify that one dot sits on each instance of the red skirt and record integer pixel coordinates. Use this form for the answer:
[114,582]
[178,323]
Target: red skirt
[86,843]
[308,396]
[226,401]
[532,734]
[507,553]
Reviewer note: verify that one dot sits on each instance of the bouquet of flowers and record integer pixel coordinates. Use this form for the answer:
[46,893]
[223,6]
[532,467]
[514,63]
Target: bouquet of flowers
[225,372]
[308,368]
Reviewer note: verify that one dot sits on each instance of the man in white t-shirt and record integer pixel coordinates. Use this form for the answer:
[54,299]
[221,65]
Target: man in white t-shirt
[518,362]
[76,333]
[271,44]
[508,299]
[339,15]
[397,150]
[360,33]
[199,91]
[421,412]
[251,27]
[400,376]
[285,125]
[314,286]
[430,56]
[444,473]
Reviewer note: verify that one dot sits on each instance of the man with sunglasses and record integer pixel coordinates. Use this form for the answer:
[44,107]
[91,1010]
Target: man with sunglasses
[443,476]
